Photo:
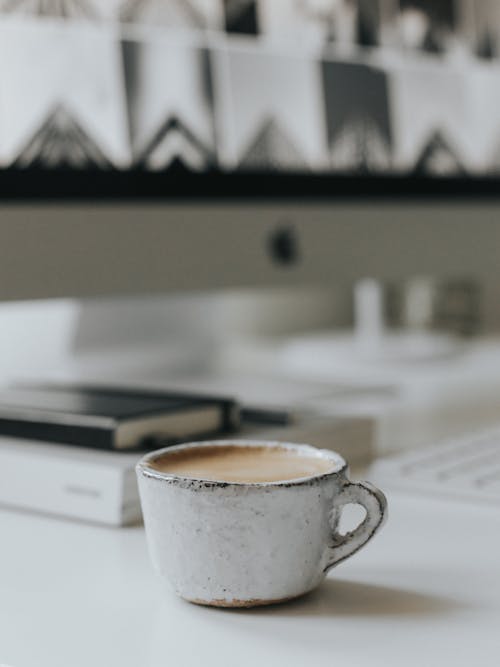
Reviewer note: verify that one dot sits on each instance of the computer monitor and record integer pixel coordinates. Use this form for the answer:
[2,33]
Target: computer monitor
[156,146]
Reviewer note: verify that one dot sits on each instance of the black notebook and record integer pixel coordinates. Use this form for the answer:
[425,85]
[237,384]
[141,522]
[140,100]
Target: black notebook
[109,418]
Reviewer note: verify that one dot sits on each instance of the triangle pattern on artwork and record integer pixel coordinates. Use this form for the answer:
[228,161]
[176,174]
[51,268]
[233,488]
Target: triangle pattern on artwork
[163,12]
[60,141]
[438,158]
[59,8]
[174,141]
[271,148]
[360,146]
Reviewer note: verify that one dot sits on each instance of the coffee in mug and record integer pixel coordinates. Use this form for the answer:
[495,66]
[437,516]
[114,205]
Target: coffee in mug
[234,463]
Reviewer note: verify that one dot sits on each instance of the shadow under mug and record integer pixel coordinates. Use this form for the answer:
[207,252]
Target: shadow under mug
[232,544]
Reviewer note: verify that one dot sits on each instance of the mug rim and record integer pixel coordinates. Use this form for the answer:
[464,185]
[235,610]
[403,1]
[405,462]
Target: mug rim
[144,467]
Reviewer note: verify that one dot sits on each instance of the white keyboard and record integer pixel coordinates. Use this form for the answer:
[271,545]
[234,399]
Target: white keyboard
[467,468]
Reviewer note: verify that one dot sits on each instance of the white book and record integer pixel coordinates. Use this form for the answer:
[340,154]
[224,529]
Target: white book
[74,482]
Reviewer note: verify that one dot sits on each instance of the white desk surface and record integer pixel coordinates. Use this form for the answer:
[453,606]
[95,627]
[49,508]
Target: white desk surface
[424,593]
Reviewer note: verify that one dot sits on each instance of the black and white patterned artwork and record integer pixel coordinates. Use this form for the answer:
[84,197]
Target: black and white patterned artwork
[169,103]
[63,98]
[316,86]
[261,121]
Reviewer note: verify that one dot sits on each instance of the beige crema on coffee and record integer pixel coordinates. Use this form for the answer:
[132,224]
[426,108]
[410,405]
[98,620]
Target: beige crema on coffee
[242,464]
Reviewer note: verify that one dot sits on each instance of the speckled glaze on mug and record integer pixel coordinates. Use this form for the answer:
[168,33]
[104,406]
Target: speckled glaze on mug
[231,544]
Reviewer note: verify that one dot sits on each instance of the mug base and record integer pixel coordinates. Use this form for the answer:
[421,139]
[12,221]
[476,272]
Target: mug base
[244,604]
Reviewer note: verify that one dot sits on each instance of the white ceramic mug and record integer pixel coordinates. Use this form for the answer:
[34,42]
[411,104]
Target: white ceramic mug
[232,544]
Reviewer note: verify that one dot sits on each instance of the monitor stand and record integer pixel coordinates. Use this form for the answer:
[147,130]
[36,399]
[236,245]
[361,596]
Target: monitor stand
[140,338]
[188,333]
[159,339]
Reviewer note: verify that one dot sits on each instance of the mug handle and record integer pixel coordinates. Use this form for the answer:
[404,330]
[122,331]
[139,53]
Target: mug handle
[375,504]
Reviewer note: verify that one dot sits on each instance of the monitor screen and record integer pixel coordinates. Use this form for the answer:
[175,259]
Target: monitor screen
[176,98]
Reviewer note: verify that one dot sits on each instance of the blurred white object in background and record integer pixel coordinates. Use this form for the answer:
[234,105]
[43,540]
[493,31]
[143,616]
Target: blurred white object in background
[413,25]
[35,337]
[368,315]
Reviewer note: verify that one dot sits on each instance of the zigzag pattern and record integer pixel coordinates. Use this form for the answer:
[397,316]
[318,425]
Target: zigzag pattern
[175,143]
[60,141]
[272,148]
[438,158]
[347,115]
[360,147]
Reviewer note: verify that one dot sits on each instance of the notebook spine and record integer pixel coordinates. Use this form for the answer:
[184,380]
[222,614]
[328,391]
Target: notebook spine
[80,435]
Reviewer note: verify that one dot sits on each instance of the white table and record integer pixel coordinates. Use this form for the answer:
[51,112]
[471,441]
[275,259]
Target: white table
[425,593]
